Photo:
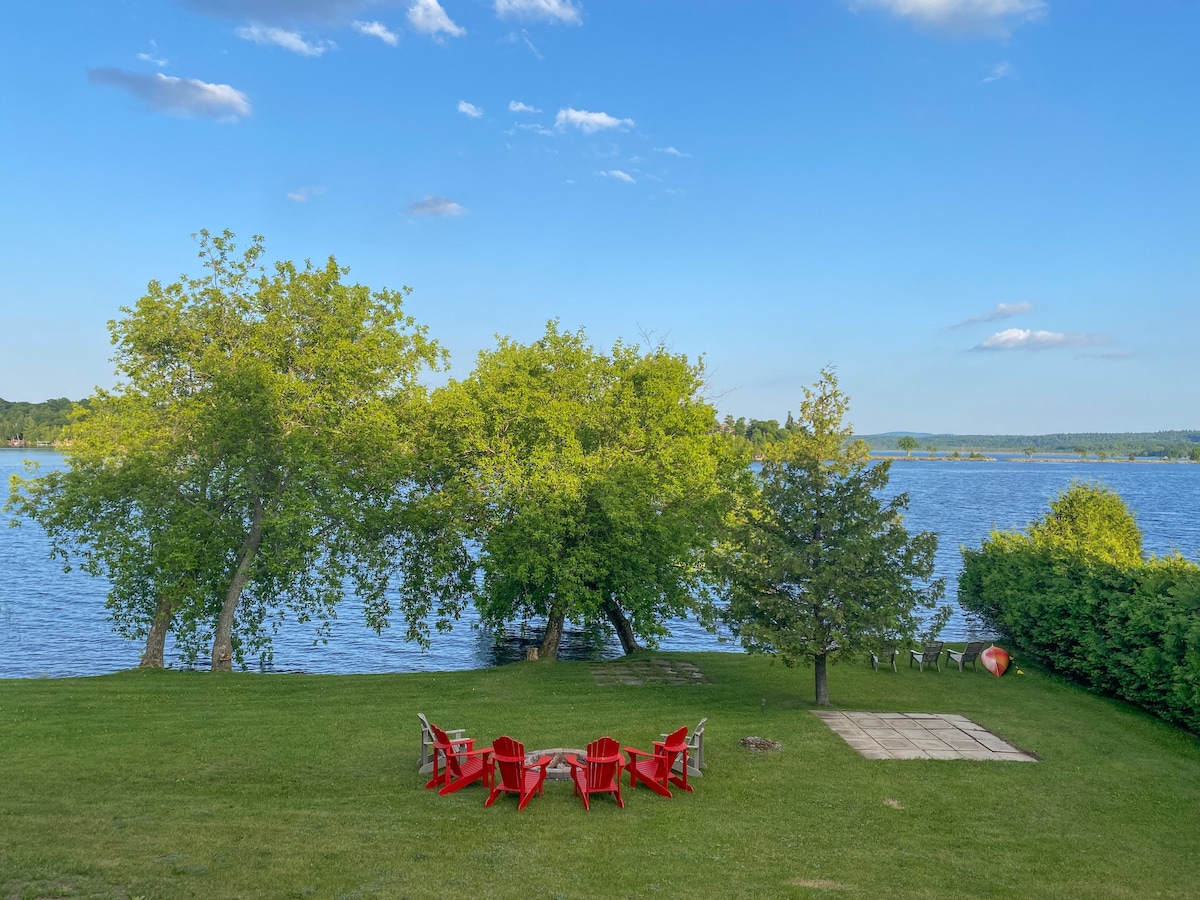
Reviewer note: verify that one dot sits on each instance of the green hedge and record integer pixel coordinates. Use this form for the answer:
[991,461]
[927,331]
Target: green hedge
[1128,630]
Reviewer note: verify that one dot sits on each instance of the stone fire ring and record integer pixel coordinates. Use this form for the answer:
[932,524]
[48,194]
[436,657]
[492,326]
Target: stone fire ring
[558,770]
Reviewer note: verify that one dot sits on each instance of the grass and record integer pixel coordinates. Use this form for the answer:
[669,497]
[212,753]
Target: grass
[174,784]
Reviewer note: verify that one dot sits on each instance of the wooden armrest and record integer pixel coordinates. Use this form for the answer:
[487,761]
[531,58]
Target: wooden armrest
[633,751]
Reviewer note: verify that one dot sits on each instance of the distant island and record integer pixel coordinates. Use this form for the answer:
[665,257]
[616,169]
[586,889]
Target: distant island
[41,424]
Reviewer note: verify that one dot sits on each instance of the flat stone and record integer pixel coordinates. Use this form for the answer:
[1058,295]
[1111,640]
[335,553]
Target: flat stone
[919,736]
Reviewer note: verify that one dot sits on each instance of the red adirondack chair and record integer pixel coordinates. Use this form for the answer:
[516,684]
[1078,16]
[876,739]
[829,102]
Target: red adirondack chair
[600,771]
[516,776]
[654,770]
[463,764]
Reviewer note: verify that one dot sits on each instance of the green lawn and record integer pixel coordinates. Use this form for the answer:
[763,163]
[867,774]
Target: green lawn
[171,784]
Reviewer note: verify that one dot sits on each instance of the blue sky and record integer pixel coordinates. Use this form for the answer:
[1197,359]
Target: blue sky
[984,213]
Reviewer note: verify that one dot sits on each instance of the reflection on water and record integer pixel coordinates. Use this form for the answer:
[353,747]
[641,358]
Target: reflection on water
[54,623]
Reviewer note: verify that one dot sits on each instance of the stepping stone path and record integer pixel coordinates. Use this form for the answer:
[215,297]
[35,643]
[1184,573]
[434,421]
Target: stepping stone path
[919,736]
[649,671]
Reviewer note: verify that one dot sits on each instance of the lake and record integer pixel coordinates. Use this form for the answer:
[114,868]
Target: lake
[54,624]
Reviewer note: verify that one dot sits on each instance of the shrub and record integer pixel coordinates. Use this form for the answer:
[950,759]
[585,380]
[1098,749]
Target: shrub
[1071,591]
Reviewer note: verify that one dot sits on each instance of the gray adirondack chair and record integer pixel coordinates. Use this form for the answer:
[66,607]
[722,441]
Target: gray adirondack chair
[969,655]
[426,760]
[928,656]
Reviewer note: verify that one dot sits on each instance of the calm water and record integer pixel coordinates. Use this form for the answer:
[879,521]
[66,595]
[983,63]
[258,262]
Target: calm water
[54,623]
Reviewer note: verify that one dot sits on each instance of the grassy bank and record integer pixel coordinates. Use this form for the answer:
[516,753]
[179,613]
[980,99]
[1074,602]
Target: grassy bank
[177,784]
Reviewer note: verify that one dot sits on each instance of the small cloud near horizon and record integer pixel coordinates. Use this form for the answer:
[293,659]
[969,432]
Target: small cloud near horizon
[999,70]
[619,175]
[1025,339]
[999,311]
[589,122]
[184,97]
[518,107]
[469,109]
[436,206]
[376,29]
[292,41]
[301,195]
[561,12]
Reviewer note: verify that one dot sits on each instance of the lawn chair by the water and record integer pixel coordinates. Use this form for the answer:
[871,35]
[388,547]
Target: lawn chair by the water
[427,741]
[889,655]
[516,775]
[969,655]
[462,764]
[694,758]
[928,656]
[654,769]
[599,772]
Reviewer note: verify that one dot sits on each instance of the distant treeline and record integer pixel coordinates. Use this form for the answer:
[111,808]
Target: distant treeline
[34,423]
[1162,444]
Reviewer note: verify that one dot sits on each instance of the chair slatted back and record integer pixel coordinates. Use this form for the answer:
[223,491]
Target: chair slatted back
[442,742]
[509,757]
[672,745]
[603,762]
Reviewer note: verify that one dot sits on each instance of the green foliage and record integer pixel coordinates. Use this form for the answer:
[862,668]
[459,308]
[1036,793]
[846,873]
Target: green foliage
[907,443]
[254,456]
[1090,520]
[34,423]
[820,565]
[1074,591]
[591,484]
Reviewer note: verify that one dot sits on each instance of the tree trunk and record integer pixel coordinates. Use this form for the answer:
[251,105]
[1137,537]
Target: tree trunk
[222,652]
[822,680]
[624,629]
[553,636]
[156,640]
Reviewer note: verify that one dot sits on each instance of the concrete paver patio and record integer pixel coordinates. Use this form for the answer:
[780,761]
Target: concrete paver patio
[919,736]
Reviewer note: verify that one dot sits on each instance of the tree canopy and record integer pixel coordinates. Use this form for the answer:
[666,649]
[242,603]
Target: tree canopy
[592,484]
[820,564]
[254,454]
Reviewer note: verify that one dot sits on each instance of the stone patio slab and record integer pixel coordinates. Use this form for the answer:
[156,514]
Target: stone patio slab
[919,736]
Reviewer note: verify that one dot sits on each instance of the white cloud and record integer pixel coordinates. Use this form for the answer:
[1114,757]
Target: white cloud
[1024,339]
[671,150]
[376,29]
[561,11]
[436,206]
[619,175]
[428,17]
[185,97]
[537,129]
[588,122]
[999,311]
[992,18]
[529,43]
[469,109]
[301,195]
[518,107]
[288,40]
[151,58]
[999,70]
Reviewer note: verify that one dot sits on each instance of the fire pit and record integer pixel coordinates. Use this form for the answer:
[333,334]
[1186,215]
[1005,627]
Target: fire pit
[558,770]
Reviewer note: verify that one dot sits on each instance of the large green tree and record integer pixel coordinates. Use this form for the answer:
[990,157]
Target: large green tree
[820,564]
[255,455]
[591,484]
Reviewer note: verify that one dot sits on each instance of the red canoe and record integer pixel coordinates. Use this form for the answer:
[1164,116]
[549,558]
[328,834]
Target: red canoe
[995,660]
